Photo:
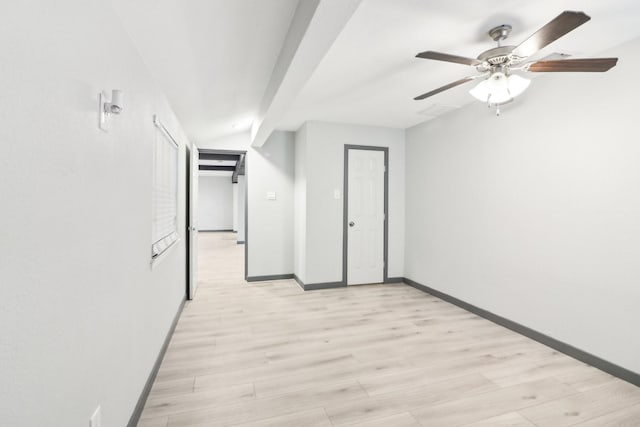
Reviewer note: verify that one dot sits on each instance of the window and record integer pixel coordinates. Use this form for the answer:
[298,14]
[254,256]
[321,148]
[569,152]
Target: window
[165,191]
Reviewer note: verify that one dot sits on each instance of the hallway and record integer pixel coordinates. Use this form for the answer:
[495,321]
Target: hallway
[269,354]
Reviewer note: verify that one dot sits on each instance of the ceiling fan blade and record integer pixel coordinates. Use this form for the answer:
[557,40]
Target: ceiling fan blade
[553,30]
[429,54]
[574,65]
[443,88]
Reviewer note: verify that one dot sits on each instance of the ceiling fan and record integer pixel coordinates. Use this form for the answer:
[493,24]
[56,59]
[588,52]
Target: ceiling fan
[499,85]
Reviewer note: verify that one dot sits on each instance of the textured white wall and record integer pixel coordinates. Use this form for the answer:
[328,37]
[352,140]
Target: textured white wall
[324,172]
[82,313]
[534,215]
[215,203]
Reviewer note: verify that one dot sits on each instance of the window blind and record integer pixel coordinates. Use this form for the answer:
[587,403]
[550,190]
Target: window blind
[165,191]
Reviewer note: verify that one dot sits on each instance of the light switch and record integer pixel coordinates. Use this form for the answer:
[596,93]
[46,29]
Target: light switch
[271,195]
[336,194]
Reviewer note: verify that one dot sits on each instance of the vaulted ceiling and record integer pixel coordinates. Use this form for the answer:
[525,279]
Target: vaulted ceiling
[215,58]
[212,58]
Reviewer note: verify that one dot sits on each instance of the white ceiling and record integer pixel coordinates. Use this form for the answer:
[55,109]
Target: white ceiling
[212,58]
[370,75]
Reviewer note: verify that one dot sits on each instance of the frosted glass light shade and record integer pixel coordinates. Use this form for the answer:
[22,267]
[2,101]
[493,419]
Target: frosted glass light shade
[499,88]
[481,91]
[517,84]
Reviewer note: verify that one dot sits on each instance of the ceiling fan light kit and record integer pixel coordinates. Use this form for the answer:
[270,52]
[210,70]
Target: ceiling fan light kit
[499,88]
[499,85]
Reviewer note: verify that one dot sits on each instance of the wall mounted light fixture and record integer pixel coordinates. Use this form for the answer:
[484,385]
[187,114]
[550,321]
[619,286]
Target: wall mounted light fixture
[107,107]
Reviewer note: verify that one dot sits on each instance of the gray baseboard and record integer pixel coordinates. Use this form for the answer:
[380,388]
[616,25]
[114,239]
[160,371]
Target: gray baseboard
[331,285]
[271,277]
[569,350]
[298,281]
[240,242]
[323,285]
[142,400]
[317,286]
[306,287]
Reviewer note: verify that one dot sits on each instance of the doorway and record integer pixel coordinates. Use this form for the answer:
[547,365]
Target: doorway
[217,209]
[365,225]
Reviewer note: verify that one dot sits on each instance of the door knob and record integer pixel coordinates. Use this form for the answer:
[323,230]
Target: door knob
[351,223]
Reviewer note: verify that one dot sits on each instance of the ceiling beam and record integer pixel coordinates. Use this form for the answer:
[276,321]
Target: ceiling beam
[315,26]
[239,170]
[217,168]
[217,156]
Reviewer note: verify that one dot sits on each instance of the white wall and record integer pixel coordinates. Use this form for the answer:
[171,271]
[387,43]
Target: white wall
[534,215]
[236,211]
[324,173]
[242,201]
[82,313]
[270,231]
[215,203]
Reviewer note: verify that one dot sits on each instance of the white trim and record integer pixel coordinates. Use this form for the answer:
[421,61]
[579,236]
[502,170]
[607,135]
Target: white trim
[159,125]
[162,245]
[157,260]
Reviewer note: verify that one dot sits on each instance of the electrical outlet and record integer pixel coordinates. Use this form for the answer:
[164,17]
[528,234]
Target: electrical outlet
[96,418]
[271,195]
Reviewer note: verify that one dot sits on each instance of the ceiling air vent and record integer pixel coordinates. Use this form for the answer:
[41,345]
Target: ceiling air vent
[436,110]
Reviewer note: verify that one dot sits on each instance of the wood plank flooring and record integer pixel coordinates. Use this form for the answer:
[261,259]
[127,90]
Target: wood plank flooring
[270,354]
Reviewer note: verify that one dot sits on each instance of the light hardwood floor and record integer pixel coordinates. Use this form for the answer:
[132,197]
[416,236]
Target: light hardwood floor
[270,354]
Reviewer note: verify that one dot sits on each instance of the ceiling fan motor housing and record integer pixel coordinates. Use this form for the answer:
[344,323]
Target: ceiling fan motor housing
[497,56]
[501,55]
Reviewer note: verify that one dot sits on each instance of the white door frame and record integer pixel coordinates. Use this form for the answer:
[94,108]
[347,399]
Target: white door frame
[193,253]
[345,208]
[192,222]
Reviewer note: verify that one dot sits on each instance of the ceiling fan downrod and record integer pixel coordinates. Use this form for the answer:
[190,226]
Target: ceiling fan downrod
[499,33]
